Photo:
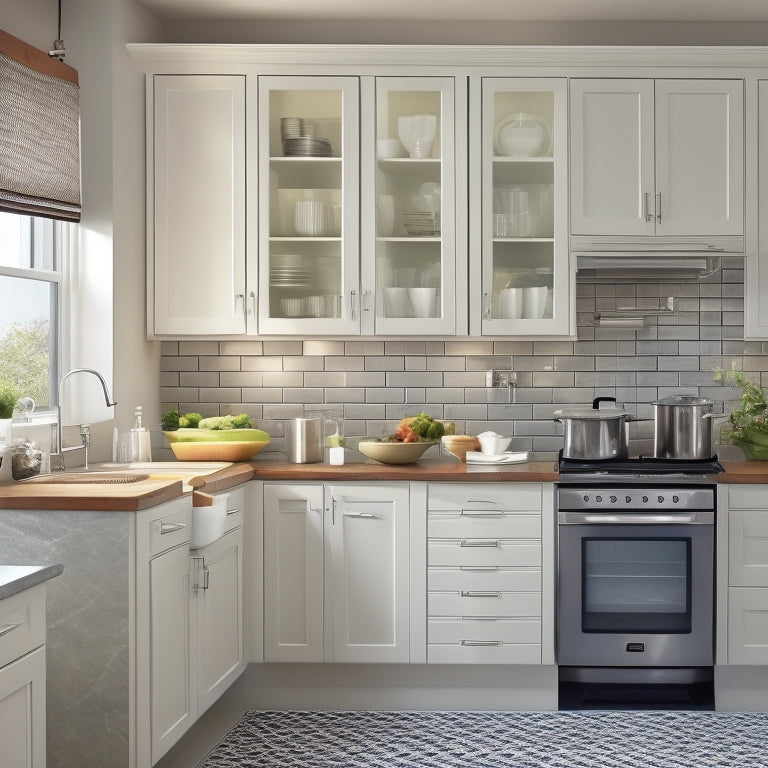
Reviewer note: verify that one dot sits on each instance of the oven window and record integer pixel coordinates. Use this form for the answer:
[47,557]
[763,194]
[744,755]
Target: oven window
[636,585]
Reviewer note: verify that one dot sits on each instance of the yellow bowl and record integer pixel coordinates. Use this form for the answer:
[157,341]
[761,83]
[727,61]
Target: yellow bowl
[186,435]
[393,452]
[233,450]
[458,445]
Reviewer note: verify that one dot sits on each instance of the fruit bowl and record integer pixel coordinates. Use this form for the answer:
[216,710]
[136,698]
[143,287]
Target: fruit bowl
[392,452]
[216,444]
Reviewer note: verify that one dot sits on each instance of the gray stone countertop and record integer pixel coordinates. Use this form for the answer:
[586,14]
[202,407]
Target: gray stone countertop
[17,578]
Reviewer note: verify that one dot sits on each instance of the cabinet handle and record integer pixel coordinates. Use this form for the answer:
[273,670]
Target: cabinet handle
[233,511]
[480,568]
[353,305]
[206,575]
[171,527]
[364,515]
[8,628]
[480,643]
[251,304]
[647,215]
[487,306]
[481,513]
[477,593]
[479,543]
[658,207]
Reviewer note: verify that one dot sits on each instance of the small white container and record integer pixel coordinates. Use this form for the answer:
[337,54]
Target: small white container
[492,443]
[387,149]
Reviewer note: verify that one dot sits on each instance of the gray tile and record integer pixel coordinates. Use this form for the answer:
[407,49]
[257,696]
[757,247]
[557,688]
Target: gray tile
[364,348]
[535,363]
[263,395]
[287,379]
[414,363]
[169,348]
[512,348]
[678,363]
[169,379]
[665,379]
[283,347]
[574,395]
[385,395]
[219,363]
[465,411]
[363,411]
[405,348]
[375,363]
[217,394]
[446,363]
[270,363]
[240,348]
[303,395]
[178,363]
[302,363]
[179,394]
[464,379]
[238,379]
[574,363]
[323,348]
[335,363]
[414,379]
[345,395]
[445,394]
[553,379]
[469,348]
[415,395]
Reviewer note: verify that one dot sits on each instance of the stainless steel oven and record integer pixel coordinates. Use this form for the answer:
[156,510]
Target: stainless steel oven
[636,576]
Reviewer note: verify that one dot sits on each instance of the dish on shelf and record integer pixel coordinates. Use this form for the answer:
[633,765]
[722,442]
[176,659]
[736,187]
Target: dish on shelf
[307,146]
[394,452]
[522,135]
[421,223]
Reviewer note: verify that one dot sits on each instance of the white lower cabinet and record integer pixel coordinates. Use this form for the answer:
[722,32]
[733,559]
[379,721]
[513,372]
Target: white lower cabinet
[747,635]
[336,572]
[485,591]
[22,679]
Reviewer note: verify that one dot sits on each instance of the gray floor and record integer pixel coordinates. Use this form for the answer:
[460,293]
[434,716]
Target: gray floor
[209,729]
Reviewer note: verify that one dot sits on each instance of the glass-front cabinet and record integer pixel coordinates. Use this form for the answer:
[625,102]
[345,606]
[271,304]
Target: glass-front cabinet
[522,207]
[409,204]
[308,202]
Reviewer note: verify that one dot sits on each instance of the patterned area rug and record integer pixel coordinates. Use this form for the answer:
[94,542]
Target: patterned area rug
[585,739]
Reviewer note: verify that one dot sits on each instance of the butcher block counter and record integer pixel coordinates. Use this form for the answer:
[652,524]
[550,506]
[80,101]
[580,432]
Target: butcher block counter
[163,486]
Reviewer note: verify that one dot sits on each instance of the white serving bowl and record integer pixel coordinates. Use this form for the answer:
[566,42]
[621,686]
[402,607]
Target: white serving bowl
[493,444]
[394,452]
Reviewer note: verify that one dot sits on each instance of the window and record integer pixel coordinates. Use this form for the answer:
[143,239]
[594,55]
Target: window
[30,285]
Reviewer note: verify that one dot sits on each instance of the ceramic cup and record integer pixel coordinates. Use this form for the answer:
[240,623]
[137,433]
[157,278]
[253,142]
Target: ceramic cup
[309,218]
[423,301]
[417,133]
[511,303]
[534,301]
[396,302]
[386,149]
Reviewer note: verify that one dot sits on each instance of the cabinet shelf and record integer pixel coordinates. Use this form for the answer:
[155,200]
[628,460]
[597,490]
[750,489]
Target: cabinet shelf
[523,239]
[280,160]
[299,239]
[502,159]
[415,239]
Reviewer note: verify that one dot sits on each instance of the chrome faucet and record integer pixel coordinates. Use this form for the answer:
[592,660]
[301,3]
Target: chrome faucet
[84,431]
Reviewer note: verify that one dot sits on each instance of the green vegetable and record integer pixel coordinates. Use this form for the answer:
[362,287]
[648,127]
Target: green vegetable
[190,420]
[242,421]
[749,423]
[169,421]
[427,428]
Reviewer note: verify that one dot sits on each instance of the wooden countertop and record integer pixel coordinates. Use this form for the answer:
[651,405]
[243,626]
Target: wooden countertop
[131,497]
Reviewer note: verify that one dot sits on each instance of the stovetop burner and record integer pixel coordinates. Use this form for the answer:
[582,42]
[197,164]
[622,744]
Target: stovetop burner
[640,468]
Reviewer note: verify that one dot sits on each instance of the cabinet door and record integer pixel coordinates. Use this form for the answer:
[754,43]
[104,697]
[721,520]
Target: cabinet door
[218,590]
[747,625]
[367,536]
[522,208]
[699,157]
[747,551]
[22,711]
[410,205]
[293,572]
[612,157]
[309,244]
[199,205]
[173,687]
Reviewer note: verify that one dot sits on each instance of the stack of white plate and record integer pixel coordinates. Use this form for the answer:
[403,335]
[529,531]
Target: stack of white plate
[291,127]
[307,146]
[421,223]
[289,276]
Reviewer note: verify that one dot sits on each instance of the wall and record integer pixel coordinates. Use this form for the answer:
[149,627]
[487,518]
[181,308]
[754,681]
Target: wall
[377,382]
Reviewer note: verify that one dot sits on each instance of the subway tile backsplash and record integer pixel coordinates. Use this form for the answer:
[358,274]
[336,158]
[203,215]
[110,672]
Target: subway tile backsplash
[377,382]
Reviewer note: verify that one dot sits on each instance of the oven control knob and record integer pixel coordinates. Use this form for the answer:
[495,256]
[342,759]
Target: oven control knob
[645,499]
[586,499]
[598,499]
[613,499]
[675,499]
[660,499]
[628,499]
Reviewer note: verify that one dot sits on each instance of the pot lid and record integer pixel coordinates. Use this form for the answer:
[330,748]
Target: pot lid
[594,414]
[683,400]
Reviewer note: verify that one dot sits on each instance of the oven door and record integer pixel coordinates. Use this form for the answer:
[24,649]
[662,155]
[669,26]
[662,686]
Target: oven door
[635,594]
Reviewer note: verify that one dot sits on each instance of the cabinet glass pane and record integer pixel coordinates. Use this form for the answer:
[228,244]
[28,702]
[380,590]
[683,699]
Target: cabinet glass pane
[521,132]
[409,267]
[305,204]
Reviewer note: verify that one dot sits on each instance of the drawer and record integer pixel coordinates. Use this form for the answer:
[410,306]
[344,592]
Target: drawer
[498,653]
[465,524]
[235,508]
[747,626]
[463,552]
[748,497]
[484,577]
[748,548]
[484,603]
[172,527]
[473,632]
[484,496]
[22,623]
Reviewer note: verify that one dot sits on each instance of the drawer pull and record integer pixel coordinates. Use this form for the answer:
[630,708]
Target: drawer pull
[8,628]
[480,568]
[480,643]
[481,513]
[233,511]
[363,515]
[171,527]
[479,543]
[482,501]
[478,593]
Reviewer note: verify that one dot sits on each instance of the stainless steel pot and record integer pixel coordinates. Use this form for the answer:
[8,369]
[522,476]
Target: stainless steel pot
[594,434]
[304,440]
[682,427]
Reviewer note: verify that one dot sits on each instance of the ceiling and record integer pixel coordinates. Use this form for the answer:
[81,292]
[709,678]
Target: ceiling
[461,10]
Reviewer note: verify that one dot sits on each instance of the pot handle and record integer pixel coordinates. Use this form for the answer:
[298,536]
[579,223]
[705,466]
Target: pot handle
[714,415]
[596,402]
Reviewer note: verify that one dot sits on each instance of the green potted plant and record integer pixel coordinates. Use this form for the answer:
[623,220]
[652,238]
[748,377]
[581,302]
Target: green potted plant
[749,423]
[9,396]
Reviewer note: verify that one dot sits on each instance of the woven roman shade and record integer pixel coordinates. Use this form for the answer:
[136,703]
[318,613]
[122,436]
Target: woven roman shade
[39,133]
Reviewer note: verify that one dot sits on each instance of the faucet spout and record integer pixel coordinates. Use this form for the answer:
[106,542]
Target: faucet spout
[107,399]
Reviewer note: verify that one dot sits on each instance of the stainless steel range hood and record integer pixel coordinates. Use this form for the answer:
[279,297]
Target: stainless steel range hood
[645,265]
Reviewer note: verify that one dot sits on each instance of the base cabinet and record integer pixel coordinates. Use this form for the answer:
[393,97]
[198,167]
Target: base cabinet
[336,573]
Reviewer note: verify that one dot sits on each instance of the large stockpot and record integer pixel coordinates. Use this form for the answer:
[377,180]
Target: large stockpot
[682,427]
[595,434]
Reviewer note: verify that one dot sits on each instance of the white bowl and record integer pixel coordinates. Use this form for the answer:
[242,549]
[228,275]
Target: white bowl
[386,149]
[393,452]
[493,444]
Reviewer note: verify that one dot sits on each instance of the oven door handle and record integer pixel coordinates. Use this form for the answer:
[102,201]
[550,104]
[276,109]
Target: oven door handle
[589,518]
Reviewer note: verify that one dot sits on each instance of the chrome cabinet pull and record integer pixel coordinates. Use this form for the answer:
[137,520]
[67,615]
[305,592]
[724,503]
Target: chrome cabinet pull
[481,513]
[480,643]
[480,568]
[479,543]
[478,593]
[233,511]
[8,628]
[658,207]
[353,305]
[364,515]
[171,527]
[647,215]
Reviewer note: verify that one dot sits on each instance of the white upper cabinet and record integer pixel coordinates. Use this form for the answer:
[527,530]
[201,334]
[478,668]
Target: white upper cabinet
[518,207]
[308,222]
[414,145]
[196,229]
[660,157]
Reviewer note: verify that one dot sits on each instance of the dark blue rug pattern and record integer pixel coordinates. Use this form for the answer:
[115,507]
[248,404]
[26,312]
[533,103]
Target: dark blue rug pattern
[573,739]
